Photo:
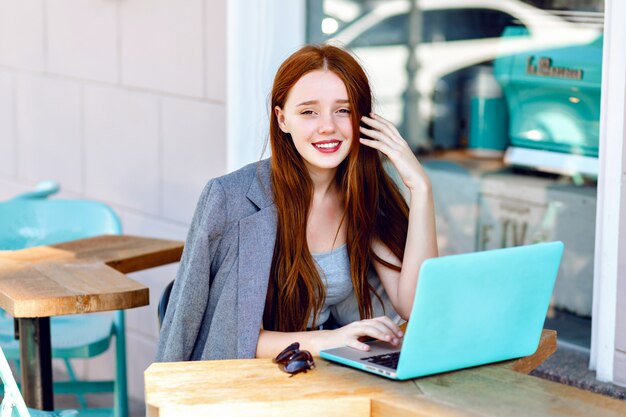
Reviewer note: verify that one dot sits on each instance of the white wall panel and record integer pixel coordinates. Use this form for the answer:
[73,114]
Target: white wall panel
[82,38]
[22,34]
[144,354]
[49,126]
[162,45]
[194,150]
[215,48]
[7,124]
[122,147]
[151,226]
[144,320]
[10,188]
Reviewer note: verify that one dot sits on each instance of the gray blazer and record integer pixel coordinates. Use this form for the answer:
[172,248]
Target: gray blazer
[217,302]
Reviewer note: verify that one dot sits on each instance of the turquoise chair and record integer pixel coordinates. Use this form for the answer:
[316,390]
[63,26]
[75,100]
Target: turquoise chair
[13,403]
[43,189]
[28,222]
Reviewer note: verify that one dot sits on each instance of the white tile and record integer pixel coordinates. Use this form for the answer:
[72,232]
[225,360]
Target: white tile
[141,354]
[215,45]
[121,148]
[194,150]
[82,39]
[144,320]
[619,367]
[10,188]
[620,317]
[7,124]
[162,45]
[21,34]
[148,226]
[49,130]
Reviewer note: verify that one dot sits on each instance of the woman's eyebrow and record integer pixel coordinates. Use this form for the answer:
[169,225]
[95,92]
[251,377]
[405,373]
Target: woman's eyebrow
[309,102]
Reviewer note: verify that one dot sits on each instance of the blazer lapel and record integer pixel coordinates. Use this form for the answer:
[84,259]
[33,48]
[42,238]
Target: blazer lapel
[257,235]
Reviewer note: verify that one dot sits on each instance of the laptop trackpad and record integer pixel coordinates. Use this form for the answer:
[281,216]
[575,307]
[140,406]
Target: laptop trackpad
[377,347]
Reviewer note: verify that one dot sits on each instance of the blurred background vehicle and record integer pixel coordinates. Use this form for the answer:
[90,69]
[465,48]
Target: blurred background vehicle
[459,41]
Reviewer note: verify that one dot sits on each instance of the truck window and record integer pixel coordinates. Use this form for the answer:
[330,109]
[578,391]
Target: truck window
[438,26]
[465,24]
[390,31]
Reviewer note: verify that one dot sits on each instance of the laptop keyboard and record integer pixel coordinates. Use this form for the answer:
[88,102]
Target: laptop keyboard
[388,360]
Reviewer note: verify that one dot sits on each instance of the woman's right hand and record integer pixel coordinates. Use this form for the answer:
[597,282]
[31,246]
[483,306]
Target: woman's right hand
[381,328]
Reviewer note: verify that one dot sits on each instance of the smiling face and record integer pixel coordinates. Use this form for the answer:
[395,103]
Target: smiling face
[317,115]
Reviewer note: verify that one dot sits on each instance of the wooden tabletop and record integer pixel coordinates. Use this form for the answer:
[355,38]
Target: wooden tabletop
[257,387]
[82,276]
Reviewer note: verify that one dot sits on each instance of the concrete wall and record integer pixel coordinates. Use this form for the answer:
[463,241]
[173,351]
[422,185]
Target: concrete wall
[122,102]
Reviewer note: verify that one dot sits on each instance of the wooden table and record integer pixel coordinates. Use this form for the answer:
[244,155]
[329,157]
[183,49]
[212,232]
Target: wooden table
[81,276]
[257,387]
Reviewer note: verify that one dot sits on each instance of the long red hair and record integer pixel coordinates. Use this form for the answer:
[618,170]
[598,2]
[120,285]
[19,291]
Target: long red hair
[374,207]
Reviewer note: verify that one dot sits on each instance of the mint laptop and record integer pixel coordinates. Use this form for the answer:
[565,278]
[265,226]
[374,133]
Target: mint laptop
[469,310]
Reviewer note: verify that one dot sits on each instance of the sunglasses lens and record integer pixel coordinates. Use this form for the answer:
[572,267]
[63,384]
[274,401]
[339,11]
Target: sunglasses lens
[293,367]
[287,353]
[301,361]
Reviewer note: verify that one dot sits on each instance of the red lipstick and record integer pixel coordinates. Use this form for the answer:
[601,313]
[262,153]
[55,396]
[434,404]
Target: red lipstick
[327,146]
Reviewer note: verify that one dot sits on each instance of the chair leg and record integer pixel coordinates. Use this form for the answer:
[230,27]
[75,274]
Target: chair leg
[120,405]
[70,372]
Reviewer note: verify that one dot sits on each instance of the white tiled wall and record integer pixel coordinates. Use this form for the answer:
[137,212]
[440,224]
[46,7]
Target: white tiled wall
[7,124]
[162,44]
[22,31]
[122,102]
[49,126]
[215,51]
[82,39]
[122,143]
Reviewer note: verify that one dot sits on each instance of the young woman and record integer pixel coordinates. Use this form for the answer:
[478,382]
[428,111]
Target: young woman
[278,249]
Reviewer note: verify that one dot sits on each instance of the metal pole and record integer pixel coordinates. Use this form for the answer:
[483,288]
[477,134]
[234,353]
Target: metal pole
[36,362]
[315,14]
[413,122]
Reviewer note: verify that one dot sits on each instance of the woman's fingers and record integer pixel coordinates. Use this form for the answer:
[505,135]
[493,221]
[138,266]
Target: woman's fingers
[385,127]
[378,330]
[391,325]
[386,139]
[380,136]
[381,328]
[354,343]
[390,125]
[376,144]
[388,328]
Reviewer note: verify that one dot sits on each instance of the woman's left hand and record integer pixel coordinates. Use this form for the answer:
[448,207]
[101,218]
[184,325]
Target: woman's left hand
[386,138]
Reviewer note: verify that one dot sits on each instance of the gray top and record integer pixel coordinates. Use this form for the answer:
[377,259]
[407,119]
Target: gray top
[334,269]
